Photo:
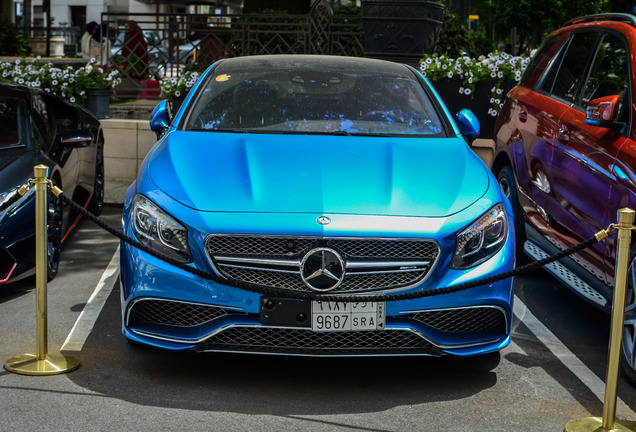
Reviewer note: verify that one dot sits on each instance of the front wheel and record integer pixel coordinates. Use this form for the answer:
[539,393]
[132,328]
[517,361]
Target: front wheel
[97,201]
[54,235]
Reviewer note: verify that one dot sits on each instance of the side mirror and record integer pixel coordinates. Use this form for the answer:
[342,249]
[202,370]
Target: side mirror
[602,112]
[468,125]
[160,118]
[76,139]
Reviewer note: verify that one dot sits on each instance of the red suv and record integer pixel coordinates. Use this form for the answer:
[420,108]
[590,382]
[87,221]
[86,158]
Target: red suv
[566,155]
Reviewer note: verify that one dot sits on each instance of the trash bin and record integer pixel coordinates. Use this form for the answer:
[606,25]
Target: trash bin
[401,30]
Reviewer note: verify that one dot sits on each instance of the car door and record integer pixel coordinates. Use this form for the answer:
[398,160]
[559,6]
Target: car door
[581,172]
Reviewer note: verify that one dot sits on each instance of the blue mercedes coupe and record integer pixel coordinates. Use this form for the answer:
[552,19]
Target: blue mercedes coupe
[332,176]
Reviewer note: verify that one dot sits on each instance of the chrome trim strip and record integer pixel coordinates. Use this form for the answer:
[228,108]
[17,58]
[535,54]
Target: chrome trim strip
[374,264]
[244,267]
[279,262]
[385,272]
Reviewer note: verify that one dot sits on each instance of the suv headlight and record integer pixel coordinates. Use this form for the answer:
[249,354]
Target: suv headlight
[482,239]
[160,231]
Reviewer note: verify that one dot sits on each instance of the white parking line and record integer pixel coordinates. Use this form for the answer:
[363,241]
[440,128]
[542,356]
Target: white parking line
[571,361]
[85,322]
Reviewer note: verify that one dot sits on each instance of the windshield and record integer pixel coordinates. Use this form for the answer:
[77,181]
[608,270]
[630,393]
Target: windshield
[13,121]
[314,100]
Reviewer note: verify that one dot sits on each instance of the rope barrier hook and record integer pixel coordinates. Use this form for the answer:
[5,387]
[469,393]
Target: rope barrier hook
[608,422]
[42,362]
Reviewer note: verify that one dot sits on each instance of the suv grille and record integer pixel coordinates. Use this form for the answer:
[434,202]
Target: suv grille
[276,261]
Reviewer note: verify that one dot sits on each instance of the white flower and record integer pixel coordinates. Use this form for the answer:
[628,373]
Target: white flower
[500,74]
[17,62]
[177,93]
[461,90]
[449,74]
[54,82]
[499,91]
[72,99]
[467,91]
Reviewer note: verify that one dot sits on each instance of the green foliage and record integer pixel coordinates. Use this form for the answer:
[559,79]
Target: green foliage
[534,18]
[12,41]
[455,39]
[348,9]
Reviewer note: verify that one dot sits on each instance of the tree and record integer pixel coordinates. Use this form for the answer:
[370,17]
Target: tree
[12,42]
[534,18]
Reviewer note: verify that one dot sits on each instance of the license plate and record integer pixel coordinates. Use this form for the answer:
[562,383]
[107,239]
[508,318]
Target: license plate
[327,316]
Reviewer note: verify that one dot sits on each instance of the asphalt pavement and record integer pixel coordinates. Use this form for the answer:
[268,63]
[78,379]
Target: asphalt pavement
[549,374]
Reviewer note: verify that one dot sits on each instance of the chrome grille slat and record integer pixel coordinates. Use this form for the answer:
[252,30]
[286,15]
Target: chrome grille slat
[371,264]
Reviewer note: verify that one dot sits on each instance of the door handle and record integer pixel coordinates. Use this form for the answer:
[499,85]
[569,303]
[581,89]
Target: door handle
[564,134]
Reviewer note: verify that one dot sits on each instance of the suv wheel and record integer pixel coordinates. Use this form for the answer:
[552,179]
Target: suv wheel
[508,185]
[628,349]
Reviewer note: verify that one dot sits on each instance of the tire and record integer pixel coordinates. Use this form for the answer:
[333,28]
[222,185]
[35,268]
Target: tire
[628,347]
[54,235]
[96,205]
[508,185]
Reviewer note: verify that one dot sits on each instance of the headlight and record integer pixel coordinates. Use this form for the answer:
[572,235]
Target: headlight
[158,230]
[482,239]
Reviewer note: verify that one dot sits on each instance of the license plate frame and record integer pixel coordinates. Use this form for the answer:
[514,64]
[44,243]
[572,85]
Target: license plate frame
[332,316]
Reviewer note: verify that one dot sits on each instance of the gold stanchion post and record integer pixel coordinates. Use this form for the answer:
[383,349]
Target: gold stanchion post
[42,362]
[608,422]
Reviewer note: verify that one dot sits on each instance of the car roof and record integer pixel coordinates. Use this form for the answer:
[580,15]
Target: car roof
[15,90]
[303,61]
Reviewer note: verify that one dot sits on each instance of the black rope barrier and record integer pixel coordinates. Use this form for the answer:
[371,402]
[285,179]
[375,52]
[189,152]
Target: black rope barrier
[277,292]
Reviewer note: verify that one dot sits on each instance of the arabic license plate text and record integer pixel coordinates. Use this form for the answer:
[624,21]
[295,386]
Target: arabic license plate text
[351,316]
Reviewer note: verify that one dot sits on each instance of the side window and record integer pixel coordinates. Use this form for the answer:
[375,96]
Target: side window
[541,58]
[610,74]
[566,76]
[62,115]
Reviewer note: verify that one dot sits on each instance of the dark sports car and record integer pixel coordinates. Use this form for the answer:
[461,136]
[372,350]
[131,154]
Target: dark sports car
[39,128]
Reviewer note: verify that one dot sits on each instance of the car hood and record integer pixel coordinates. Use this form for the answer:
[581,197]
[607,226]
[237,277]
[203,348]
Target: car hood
[234,172]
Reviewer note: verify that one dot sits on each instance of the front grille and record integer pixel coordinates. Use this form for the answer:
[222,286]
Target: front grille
[307,342]
[464,320]
[276,261]
[173,313]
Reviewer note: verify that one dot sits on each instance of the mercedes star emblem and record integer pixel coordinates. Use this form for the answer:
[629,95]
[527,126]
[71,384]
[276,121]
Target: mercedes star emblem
[323,220]
[322,269]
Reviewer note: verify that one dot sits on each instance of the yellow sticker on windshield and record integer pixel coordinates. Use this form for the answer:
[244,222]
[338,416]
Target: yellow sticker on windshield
[223,78]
